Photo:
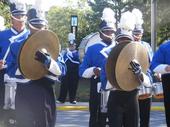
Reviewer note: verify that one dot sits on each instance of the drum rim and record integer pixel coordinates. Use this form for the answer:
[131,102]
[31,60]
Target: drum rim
[112,79]
[119,53]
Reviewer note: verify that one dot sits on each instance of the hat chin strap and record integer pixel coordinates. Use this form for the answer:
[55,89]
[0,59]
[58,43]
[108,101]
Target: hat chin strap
[33,27]
[19,20]
[110,37]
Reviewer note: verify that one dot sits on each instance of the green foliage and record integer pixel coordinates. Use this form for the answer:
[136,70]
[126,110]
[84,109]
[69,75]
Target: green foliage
[4,12]
[83,90]
[88,20]
[120,6]
[89,17]
[163,21]
[59,22]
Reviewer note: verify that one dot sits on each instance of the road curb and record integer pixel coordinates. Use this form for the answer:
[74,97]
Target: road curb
[157,108]
[67,108]
[86,108]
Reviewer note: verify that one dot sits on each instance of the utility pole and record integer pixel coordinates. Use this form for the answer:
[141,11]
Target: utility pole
[153,24]
[74,24]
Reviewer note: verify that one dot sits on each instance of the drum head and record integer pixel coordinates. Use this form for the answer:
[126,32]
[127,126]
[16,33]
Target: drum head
[42,40]
[88,41]
[117,67]
[93,39]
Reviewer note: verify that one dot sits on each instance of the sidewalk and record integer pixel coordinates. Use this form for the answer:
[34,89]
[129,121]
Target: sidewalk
[156,106]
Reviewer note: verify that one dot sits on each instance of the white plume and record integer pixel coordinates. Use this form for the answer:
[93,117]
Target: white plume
[138,16]
[71,37]
[17,1]
[20,4]
[12,1]
[127,21]
[40,7]
[2,23]
[108,15]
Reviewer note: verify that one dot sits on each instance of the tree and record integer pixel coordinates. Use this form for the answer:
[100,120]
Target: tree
[120,6]
[4,12]
[89,16]
[163,20]
[59,22]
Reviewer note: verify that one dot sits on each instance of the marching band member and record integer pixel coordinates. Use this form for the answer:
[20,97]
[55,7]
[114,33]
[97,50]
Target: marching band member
[144,104]
[123,105]
[34,101]
[91,65]
[7,37]
[69,82]
[161,65]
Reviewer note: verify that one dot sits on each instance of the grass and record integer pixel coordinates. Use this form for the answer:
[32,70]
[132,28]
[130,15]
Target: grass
[82,91]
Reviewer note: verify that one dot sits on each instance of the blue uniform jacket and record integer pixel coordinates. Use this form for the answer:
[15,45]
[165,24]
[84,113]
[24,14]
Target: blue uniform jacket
[72,56]
[161,56]
[71,59]
[12,61]
[92,58]
[7,37]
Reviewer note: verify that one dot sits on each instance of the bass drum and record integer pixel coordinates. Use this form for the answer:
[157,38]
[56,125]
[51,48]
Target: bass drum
[86,42]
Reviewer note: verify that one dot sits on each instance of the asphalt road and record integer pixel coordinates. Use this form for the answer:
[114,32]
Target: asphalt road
[79,118]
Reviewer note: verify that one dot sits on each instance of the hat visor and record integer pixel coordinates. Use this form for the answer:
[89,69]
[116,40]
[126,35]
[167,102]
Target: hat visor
[18,12]
[123,37]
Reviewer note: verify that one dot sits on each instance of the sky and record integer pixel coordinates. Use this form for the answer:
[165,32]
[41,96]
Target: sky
[47,3]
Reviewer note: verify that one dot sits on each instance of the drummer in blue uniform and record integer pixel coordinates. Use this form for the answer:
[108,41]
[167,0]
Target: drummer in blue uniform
[91,66]
[123,105]
[69,82]
[161,65]
[35,101]
[7,36]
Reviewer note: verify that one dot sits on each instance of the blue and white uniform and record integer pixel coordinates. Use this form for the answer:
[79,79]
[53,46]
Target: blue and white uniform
[72,56]
[7,37]
[92,59]
[160,61]
[91,66]
[69,82]
[14,48]
[33,93]
[120,108]
[12,63]
[161,58]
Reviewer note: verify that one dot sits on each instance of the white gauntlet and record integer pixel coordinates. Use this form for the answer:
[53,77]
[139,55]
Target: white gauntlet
[54,68]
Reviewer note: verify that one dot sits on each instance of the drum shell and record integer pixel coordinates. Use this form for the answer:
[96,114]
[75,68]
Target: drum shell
[158,90]
[144,92]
